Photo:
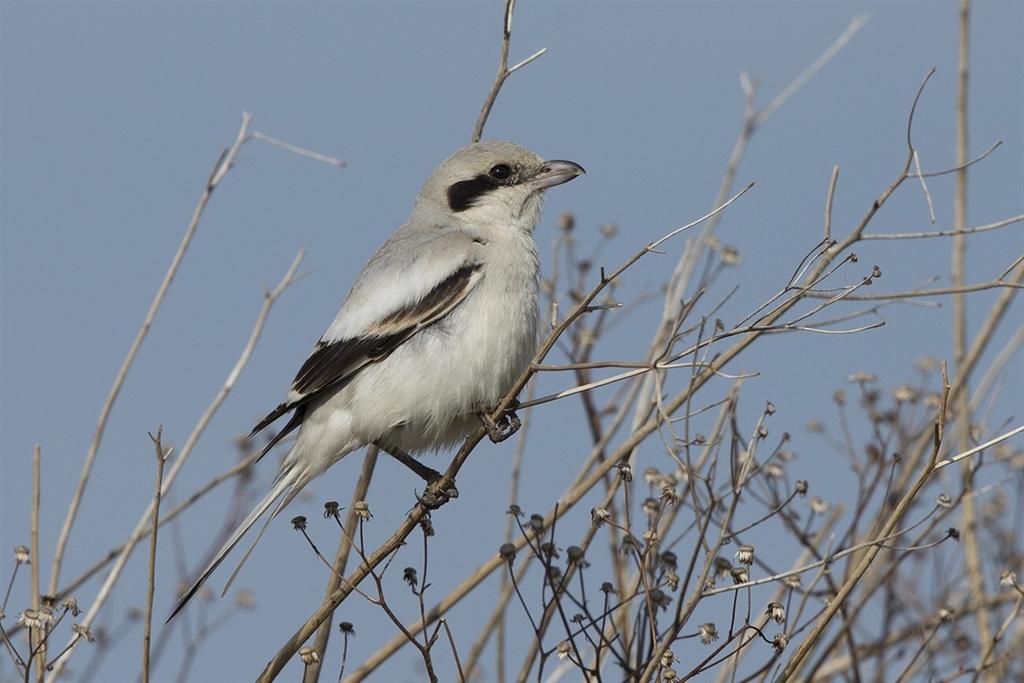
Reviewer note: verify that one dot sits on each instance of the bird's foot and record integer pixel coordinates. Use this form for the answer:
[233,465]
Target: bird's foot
[438,493]
[505,426]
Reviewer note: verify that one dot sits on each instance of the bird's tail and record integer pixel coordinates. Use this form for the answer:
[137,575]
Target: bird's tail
[286,486]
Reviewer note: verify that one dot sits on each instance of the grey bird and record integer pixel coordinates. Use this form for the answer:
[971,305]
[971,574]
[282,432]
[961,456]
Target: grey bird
[436,328]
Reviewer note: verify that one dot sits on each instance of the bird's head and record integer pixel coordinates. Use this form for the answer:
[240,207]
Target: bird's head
[495,183]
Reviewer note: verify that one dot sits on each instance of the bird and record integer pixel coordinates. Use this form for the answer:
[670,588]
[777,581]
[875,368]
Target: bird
[437,326]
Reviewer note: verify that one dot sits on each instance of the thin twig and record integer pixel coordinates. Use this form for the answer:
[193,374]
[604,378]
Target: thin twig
[220,169]
[147,626]
[269,298]
[40,633]
[503,70]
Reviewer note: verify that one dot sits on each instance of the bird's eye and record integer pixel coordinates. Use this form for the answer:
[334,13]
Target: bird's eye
[501,171]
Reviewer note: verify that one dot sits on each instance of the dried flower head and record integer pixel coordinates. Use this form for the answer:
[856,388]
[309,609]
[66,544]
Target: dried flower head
[652,476]
[669,560]
[574,553]
[22,554]
[362,511]
[29,618]
[507,551]
[308,656]
[740,575]
[669,675]
[299,523]
[331,509]
[815,427]
[672,580]
[861,378]
[776,612]
[1008,579]
[625,471]
[82,631]
[722,566]
[427,525]
[792,581]
[818,505]
[745,555]
[650,507]
[608,230]
[708,633]
[946,613]
[598,516]
[667,659]
[549,550]
[780,641]
[71,605]
[245,599]
[774,470]
[608,589]
[905,394]
[660,598]
[730,256]
[536,523]
[669,494]
[515,510]
[347,629]
[801,487]
[410,577]
[567,221]
[563,649]
[630,544]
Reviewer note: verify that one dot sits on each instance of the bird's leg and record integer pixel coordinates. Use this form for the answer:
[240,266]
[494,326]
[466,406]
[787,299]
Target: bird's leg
[427,474]
[506,425]
[435,496]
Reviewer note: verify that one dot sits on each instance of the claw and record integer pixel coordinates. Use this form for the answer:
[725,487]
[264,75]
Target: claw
[507,425]
[436,495]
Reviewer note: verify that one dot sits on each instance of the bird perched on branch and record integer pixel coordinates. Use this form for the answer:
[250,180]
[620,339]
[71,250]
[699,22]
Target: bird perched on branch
[435,330]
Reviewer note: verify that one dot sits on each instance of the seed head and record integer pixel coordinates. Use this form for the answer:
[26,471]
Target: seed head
[780,641]
[347,629]
[801,487]
[299,523]
[536,523]
[563,649]
[740,575]
[71,605]
[1008,579]
[22,554]
[507,551]
[331,509]
[409,576]
[82,631]
[776,612]
[625,471]
[598,516]
[308,656]
[818,505]
[362,511]
[708,633]
[745,555]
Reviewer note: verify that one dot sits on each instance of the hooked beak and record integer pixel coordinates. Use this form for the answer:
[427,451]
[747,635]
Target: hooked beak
[555,172]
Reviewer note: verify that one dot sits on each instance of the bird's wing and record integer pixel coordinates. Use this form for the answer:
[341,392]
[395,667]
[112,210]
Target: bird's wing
[398,294]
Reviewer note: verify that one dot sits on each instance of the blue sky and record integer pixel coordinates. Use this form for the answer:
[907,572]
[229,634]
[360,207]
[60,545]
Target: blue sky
[111,115]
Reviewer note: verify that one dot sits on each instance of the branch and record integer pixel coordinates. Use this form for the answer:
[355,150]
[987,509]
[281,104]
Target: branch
[504,71]
[220,169]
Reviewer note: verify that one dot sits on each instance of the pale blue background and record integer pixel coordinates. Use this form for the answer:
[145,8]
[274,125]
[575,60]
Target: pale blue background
[111,116]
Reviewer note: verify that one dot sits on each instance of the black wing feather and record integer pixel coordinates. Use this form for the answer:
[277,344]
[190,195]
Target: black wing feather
[334,363]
